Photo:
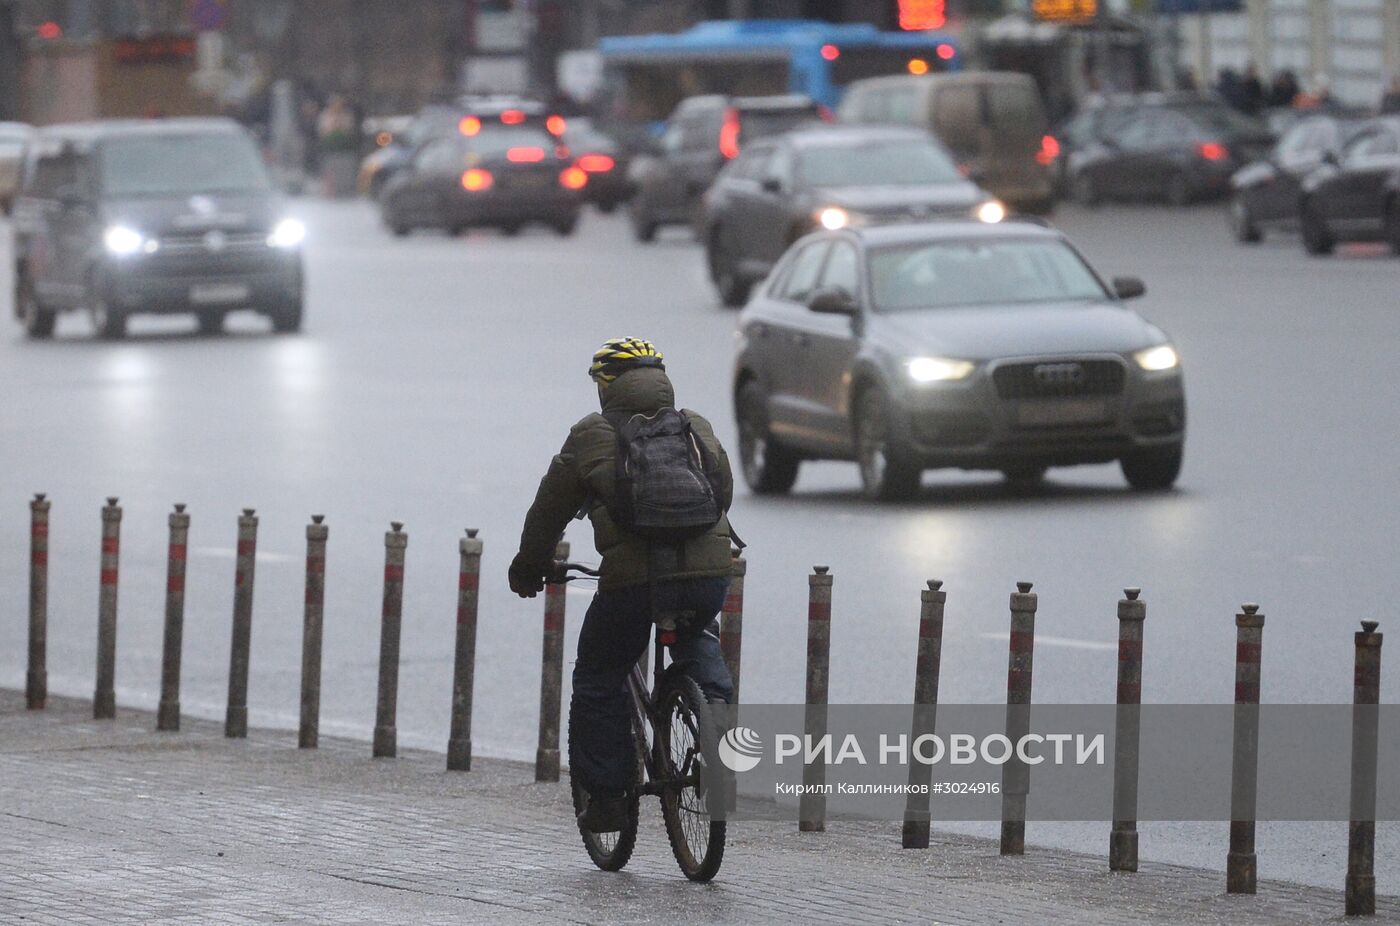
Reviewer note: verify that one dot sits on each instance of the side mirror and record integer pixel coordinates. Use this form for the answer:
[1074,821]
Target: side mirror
[832,300]
[772,185]
[1128,287]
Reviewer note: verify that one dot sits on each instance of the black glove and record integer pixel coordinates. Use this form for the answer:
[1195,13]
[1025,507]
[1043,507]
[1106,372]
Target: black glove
[526,580]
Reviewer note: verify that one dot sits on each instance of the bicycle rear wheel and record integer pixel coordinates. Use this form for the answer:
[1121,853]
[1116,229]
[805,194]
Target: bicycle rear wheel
[609,851]
[689,746]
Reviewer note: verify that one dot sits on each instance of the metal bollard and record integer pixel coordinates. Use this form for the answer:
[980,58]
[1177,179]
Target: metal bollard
[1123,838]
[731,625]
[104,699]
[552,676]
[312,626]
[1016,776]
[930,657]
[386,710]
[1241,864]
[459,739]
[1365,719]
[236,718]
[811,807]
[36,680]
[168,711]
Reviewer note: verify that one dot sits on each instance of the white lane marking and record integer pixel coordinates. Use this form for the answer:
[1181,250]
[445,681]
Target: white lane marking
[229,553]
[1066,642]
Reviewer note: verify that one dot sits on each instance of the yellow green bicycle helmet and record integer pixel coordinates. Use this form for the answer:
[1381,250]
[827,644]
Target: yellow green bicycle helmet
[618,355]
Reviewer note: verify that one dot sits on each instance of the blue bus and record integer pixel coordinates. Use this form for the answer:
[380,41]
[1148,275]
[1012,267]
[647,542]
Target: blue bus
[645,76]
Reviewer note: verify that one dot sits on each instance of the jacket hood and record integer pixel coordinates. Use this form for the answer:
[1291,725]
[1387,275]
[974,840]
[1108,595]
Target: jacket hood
[642,390]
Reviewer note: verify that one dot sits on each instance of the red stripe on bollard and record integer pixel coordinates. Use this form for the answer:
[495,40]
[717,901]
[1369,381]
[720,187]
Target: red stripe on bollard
[1123,837]
[386,710]
[1365,724]
[313,614]
[168,711]
[1241,863]
[1016,775]
[36,679]
[104,699]
[811,807]
[551,677]
[236,716]
[459,738]
[926,671]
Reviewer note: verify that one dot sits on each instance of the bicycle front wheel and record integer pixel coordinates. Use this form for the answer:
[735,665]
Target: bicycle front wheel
[689,747]
[609,851]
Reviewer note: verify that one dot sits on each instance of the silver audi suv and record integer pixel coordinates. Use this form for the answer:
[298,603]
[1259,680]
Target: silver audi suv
[952,344]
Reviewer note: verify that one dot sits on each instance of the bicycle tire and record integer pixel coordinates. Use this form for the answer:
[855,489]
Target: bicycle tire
[609,851]
[688,822]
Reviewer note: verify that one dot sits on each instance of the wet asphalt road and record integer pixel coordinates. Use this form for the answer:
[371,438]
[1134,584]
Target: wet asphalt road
[437,375]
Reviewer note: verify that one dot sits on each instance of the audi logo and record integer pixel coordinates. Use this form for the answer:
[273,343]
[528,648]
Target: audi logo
[1058,374]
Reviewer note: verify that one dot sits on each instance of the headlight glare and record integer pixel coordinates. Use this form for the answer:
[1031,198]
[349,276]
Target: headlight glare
[938,369]
[1161,357]
[991,212]
[122,241]
[288,233]
[833,217]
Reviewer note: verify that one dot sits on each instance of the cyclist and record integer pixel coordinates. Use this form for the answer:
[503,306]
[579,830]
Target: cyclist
[637,576]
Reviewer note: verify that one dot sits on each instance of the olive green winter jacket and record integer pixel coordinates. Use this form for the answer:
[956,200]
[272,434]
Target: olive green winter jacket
[581,478]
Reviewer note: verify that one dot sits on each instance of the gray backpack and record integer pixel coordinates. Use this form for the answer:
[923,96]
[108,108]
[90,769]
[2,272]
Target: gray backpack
[666,483]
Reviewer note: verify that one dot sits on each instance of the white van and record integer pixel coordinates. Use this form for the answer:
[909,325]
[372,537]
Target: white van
[992,121]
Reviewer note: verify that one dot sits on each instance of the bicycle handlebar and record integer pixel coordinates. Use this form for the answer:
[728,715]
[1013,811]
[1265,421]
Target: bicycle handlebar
[559,573]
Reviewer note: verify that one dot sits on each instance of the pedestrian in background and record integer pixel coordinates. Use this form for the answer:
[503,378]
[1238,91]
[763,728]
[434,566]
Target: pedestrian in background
[1390,99]
[1285,88]
[337,138]
[1251,90]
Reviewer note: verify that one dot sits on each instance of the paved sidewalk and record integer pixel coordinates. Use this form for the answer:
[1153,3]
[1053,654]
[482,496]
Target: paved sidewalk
[109,822]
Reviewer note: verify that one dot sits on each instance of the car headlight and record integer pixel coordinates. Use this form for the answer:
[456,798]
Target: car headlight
[833,217]
[1161,357]
[991,212]
[122,241]
[287,233]
[938,369]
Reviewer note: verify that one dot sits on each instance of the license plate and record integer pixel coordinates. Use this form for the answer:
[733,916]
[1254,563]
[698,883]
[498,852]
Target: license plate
[217,293]
[1062,411]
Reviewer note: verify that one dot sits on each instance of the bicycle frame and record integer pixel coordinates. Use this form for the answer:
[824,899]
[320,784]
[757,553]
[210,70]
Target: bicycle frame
[644,718]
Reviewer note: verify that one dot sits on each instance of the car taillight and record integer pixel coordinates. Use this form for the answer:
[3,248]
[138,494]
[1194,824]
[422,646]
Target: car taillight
[1212,151]
[729,134]
[469,125]
[1049,150]
[512,117]
[573,178]
[476,180]
[555,125]
[596,163]
[527,155]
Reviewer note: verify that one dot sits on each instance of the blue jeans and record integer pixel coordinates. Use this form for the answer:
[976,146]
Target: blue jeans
[615,632]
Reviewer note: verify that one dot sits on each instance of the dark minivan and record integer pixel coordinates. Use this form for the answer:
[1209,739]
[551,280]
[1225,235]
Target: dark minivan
[121,218]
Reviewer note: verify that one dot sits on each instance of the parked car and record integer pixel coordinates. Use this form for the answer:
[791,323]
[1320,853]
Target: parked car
[603,159]
[1170,147]
[501,172]
[14,136]
[1268,191]
[702,135]
[121,218]
[951,344]
[992,121]
[780,188]
[1355,195]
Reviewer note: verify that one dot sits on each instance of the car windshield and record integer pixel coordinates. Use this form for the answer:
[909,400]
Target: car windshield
[493,141]
[944,274]
[165,165]
[884,163]
[760,123]
[1215,118]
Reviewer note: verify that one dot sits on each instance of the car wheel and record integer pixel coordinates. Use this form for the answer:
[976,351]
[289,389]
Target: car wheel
[1317,240]
[1178,190]
[1152,470]
[565,227]
[1084,190]
[1024,477]
[511,230]
[38,321]
[287,320]
[643,228]
[887,471]
[733,289]
[607,206]
[399,230]
[1392,225]
[110,323]
[457,229]
[1242,223]
[768,467]
[211,321]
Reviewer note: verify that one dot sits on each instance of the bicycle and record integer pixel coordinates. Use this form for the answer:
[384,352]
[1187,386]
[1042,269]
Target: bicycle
[677,760]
